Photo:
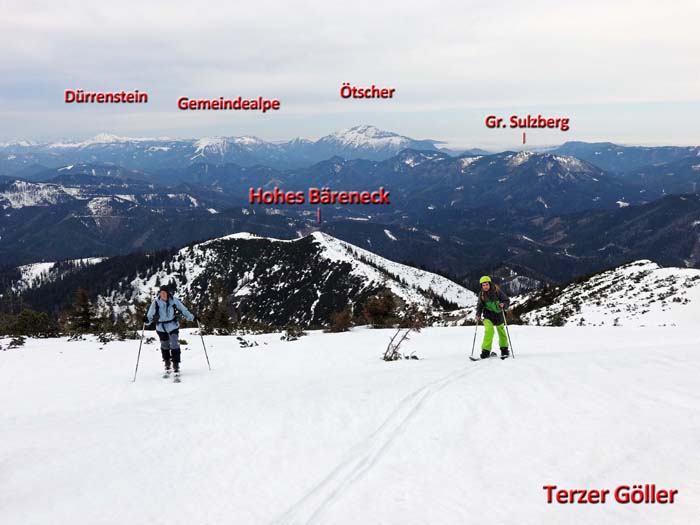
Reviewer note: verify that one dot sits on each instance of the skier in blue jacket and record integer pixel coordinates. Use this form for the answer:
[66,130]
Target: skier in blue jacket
[167,327]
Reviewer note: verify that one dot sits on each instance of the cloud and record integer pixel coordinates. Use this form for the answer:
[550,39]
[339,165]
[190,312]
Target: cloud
[440,56]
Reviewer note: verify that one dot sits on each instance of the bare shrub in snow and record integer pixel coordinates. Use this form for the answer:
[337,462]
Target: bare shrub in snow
[341,321]
[380,310]
[17,341]
[292,333]
[393,349]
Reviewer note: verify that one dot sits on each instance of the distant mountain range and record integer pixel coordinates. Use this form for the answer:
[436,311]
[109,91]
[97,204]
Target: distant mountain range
[419,180]
[536,217]
[89,210]
[530,217]
[27,159]
[425,181]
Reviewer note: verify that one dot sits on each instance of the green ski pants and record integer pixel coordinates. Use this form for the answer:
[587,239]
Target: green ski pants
[488,336]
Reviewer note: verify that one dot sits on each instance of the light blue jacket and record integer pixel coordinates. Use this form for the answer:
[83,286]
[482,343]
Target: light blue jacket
[167,321]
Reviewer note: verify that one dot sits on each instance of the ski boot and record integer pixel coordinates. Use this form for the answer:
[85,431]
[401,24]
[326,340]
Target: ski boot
[505,354]
[485,354]
[176,369]
[167,369]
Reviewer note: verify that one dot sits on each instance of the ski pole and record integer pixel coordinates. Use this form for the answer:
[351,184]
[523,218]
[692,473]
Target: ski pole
[510,341]
[138,358]
[203,345]
[476,329]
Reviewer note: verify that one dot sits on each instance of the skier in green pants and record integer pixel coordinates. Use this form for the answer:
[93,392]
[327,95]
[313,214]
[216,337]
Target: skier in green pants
[491,306]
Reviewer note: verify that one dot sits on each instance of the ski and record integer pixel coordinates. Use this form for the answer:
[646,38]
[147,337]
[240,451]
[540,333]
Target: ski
[484,359]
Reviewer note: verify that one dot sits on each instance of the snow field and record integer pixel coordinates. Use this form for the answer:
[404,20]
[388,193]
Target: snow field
[320,430]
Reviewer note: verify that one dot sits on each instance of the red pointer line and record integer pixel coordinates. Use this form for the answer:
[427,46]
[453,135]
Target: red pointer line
[523,137]
[319,215]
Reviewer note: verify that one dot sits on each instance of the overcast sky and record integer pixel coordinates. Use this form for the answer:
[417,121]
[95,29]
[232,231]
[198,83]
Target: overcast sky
[623,71]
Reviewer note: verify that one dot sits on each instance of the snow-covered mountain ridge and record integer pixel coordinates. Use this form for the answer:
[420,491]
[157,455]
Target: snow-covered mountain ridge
[306,279]
[357,136]
[369,137]
[20,194]
[38,274]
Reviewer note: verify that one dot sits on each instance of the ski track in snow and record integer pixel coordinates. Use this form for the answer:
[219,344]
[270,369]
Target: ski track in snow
[365,455]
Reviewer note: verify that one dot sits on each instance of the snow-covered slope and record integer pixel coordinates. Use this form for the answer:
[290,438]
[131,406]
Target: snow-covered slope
[18,194]
[637,294]
[408,282]
[39,274]
[21,194]
[321,430]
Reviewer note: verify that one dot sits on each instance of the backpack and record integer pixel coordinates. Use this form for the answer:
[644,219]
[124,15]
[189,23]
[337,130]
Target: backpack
[152,326]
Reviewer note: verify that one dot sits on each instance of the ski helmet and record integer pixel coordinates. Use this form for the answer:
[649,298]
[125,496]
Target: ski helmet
[485,279]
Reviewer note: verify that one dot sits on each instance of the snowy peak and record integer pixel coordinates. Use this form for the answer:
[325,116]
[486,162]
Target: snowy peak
[210,145]
[549,161]
[368,137]
[370,142]
[641,293]
[519,158]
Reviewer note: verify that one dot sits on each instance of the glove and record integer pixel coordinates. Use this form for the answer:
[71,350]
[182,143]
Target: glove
[145,318]
[195,320]
[478,318]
